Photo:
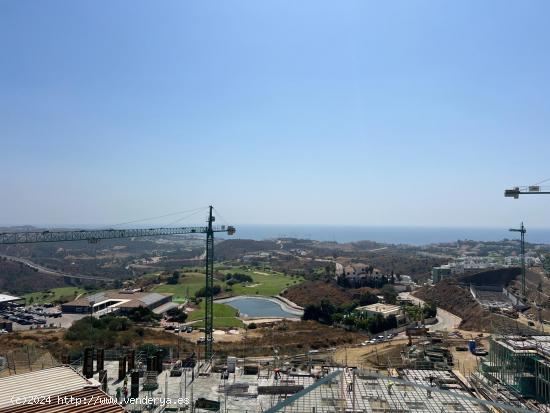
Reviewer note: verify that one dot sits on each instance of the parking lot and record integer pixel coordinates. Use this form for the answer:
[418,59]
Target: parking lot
[26,318]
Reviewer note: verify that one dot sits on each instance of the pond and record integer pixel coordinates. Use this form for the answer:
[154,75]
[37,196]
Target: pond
[259,307]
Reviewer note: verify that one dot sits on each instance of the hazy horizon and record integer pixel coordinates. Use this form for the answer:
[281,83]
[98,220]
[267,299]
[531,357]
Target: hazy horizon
[343,234]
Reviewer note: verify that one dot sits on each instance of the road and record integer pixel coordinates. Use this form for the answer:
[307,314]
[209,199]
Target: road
[445,321]
[48,271]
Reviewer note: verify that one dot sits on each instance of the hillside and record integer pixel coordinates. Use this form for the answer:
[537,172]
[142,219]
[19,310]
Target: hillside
[236,248]
[17,278]
[312,292]
[460,302]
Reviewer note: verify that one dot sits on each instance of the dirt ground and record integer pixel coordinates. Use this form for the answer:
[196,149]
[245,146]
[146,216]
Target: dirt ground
[464,361]
[389,353]
[220,336]
[290,338]
[368,356]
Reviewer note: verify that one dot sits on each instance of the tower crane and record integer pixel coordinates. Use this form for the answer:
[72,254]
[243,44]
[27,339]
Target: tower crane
[94,236]
[515,192]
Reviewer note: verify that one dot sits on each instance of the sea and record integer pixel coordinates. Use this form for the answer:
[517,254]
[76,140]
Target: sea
[410,235]
[388,234]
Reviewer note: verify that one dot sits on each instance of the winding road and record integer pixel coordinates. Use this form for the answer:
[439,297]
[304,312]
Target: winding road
[445,321]
[54,273]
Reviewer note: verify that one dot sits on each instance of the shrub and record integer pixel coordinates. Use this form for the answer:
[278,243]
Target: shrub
[216,289]
[176,315]
[174,278]
[142,315]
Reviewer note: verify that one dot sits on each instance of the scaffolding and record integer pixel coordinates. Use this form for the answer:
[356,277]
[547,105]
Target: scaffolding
[521,364]
[356,391]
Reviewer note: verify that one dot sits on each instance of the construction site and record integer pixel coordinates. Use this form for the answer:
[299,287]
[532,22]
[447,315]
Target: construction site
[416,368]
[424,372]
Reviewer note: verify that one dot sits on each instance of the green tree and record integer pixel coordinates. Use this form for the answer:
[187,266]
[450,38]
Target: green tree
[367,299]
[176,315]
[389,293]
[174,278]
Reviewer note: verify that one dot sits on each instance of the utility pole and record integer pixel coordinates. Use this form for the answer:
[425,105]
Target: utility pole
[522,231]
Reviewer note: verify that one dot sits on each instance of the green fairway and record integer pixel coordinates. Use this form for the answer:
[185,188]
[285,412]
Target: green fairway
[189,283]
[65,293]
[224,315]
[265,282]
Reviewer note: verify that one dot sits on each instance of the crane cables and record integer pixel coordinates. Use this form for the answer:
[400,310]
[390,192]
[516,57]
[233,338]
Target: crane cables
[189,213]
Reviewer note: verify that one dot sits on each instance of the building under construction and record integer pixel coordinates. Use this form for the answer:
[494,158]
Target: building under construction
[521,364]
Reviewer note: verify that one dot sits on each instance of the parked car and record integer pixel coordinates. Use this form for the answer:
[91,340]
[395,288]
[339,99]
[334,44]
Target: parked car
[189,329]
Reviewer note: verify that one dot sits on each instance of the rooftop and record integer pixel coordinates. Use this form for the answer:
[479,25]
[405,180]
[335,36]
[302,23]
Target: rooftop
[380,308]
[42,383]
[124,298]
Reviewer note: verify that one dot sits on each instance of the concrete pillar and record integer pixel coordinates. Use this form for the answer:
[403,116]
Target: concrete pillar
[131,360]
[88,363]
[151,363]
[134,389]
[100,364]
[122,368]
[159,361]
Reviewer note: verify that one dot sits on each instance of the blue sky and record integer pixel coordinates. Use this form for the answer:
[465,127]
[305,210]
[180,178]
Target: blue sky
[277,112]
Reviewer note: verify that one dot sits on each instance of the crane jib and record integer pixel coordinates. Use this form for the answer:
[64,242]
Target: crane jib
[93,236]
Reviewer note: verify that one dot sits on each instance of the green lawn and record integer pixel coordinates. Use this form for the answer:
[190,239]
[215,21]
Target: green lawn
[265,282]
[41,297]
[224,315]
[189,283]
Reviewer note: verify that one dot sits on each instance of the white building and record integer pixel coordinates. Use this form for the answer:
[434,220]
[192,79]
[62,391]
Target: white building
[385,310]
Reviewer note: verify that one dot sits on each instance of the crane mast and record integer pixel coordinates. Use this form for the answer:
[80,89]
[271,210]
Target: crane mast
[209,296]
[94,236]
[522,231]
